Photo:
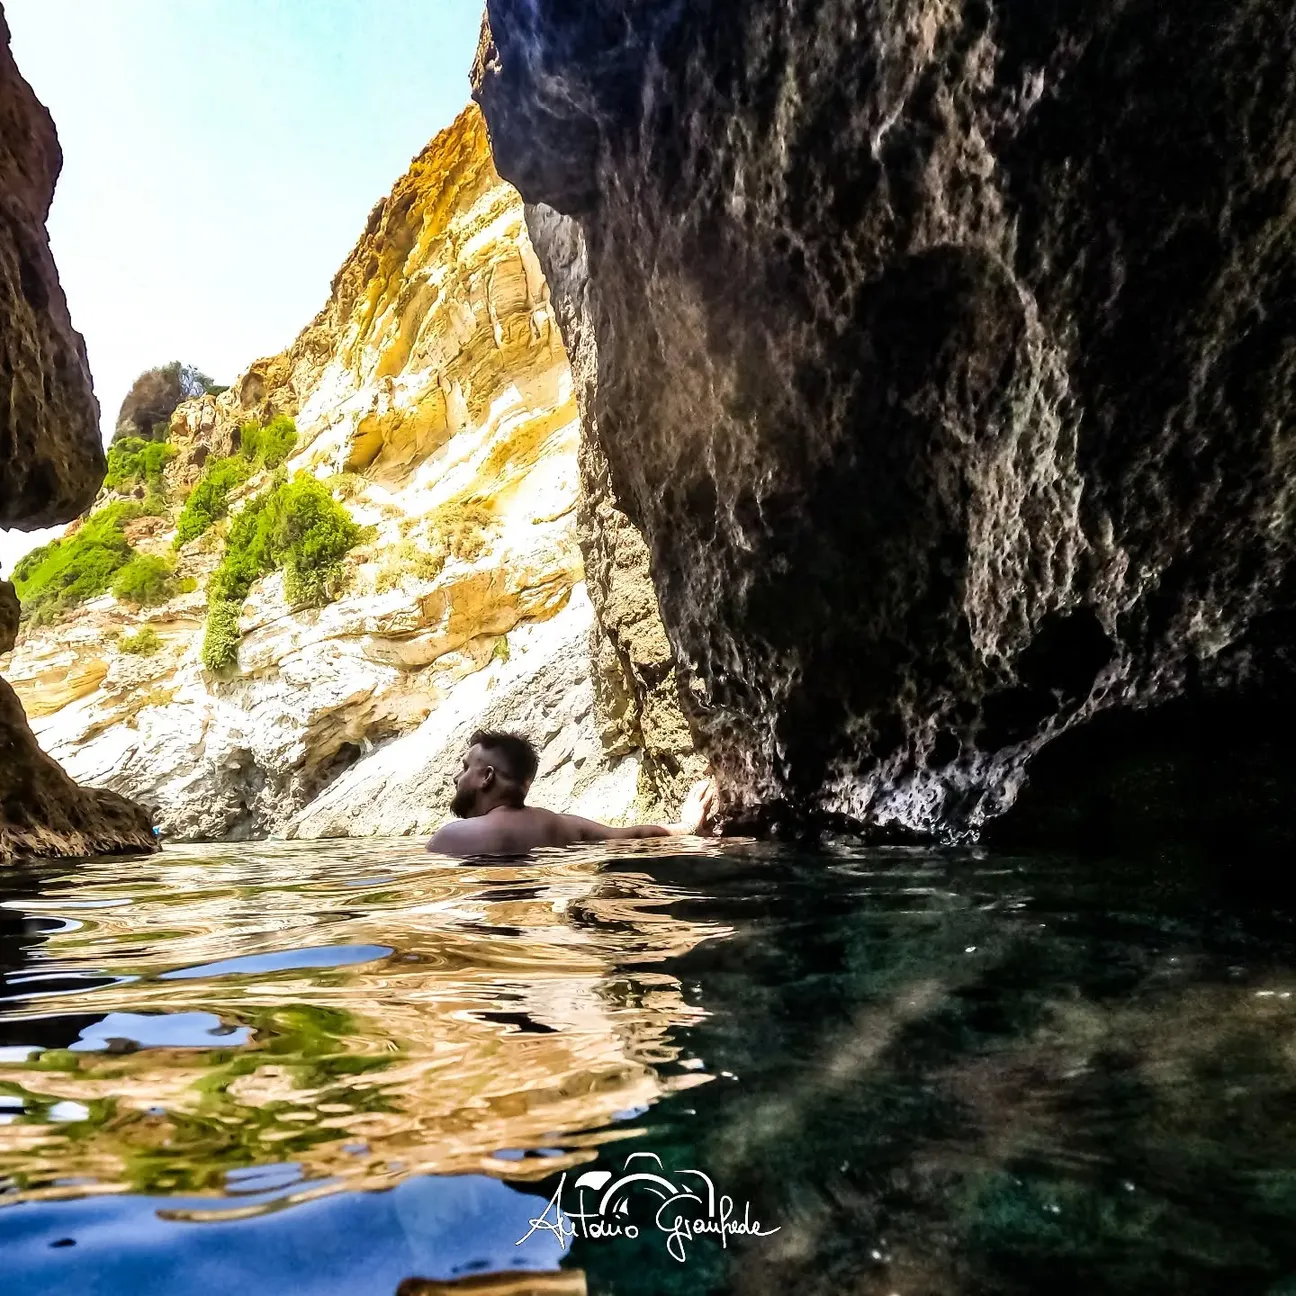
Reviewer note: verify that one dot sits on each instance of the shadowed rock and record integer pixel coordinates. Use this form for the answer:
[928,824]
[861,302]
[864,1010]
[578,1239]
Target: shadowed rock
[945,360]
[51,464]
[51,457]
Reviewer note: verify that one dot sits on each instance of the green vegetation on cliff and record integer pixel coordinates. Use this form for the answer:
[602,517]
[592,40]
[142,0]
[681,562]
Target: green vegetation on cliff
[260,446]
[297,527]
[145,581]
[76,567]
[133,462]
[459,528]
[209,499]
[147,408]
[143,643]
[268,445]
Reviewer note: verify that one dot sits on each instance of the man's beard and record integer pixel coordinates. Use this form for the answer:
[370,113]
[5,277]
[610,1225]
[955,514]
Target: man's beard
[463,803]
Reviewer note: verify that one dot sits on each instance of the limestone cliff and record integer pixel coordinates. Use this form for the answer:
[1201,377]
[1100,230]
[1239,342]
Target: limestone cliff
[433,398]
[943,355]
[51,463]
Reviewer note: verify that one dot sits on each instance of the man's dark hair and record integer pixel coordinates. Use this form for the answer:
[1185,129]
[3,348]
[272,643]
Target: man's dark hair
[515,756]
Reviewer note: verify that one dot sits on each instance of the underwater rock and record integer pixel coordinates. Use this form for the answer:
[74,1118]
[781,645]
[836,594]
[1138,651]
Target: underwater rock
[943,353]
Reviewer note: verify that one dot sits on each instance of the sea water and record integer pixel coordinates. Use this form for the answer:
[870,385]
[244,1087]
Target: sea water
[348,1067]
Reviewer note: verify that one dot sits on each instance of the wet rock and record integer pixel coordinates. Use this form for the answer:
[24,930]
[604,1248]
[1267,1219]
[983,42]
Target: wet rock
[637,677]
[943,357]
[42,812]
[9,615]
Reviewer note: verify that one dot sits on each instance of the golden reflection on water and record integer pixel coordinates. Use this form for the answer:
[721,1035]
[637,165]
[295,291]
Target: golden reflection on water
[499,1011]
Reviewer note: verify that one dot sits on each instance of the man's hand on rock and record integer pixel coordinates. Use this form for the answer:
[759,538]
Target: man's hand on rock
[699,809]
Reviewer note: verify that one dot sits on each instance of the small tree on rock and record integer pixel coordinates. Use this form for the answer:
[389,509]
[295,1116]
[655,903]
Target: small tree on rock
[146,411]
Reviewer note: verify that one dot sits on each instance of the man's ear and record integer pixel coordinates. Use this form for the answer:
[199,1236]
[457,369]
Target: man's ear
[488,776]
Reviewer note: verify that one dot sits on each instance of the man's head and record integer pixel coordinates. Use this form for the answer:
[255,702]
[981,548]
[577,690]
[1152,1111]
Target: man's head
[497,770]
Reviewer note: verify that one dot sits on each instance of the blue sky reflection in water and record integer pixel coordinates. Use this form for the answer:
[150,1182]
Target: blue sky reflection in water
[944,1073]
[433,1227]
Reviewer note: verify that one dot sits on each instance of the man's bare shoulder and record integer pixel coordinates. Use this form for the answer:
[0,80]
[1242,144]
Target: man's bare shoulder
[549,828]
[458,837]
[504,832]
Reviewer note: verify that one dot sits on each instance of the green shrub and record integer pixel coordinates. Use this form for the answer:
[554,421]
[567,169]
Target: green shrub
[312,534]
[77,567]
[146,411]
[209,499]
[221,637]
[259,447]
[145,581]
[296,526]
[143,643]
[30,561]
[268,445]
[132,462]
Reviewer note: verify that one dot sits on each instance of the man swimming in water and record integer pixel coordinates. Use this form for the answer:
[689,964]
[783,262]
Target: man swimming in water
[494,819]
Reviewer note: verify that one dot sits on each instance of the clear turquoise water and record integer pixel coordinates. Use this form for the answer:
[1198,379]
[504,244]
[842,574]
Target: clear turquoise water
[341,1067]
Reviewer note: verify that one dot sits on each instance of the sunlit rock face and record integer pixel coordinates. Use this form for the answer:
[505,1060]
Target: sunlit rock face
[945,359]
[51,463]
[433,395]
[543,689]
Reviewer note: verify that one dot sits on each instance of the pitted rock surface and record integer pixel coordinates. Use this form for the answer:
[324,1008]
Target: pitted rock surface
[51,456]
[945,357]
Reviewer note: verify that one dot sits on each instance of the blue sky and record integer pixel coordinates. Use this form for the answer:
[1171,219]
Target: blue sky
[220,158]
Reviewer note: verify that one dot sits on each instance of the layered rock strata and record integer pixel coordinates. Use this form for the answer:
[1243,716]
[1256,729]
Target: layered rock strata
[943,356]
[51,464]
[544,690]
[434,398]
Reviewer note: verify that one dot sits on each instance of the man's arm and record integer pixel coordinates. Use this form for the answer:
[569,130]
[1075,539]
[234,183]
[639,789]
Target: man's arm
[698,808]
[590,830]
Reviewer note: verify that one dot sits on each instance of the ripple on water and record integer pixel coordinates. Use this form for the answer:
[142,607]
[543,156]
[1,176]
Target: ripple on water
[126,1031]
[319,956]
[937,1072]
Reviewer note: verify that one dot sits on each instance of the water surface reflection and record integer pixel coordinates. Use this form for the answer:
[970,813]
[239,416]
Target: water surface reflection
[933,1072]
[357,1012]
